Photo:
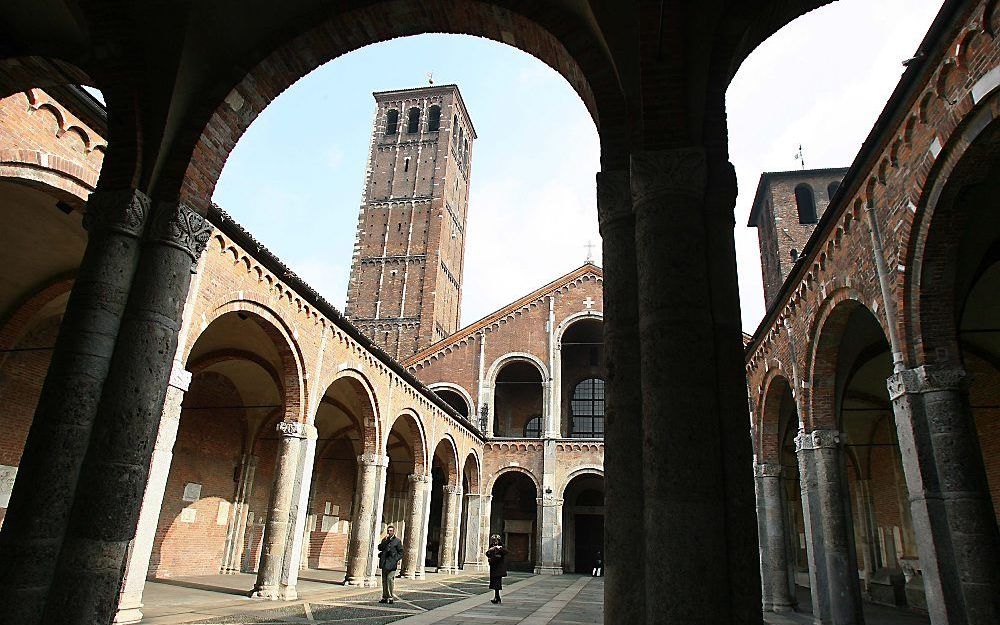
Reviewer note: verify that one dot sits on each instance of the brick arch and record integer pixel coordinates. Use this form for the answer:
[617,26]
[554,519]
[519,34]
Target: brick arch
[472,469]
[368,422]
[505,470]
[590,469]
[232,102]
[293,387]
[499,363]
[926,307]
[769,434]
[460,390]
[15,325]
[576,317]
[55,174]
[418,445]
[825,336]
[452,471]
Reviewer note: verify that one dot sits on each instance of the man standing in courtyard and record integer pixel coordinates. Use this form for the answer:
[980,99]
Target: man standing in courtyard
[390,552]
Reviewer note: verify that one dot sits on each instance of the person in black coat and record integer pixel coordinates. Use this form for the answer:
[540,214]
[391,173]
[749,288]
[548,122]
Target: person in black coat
[390,552]
[497,555]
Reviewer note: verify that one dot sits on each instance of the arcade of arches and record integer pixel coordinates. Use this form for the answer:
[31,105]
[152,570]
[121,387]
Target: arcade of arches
[177,402]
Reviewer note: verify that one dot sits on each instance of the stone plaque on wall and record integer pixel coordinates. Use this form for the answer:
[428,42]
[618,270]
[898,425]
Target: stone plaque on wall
[223,517]
[7,475]
[188,515]
[192,492]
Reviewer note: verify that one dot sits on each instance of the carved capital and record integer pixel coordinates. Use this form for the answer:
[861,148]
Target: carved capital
[614,197]
[415,478]
[454,491]
[658,173]
[291,429]
[373,460]
[123,211]
[176,225]
[818,439]
[768,469]
[926,379]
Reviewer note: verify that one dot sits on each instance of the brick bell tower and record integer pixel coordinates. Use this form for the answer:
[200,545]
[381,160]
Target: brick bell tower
[406,276]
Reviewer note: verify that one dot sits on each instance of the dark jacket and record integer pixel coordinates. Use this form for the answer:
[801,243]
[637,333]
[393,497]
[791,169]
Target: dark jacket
[390,552]
[498,561]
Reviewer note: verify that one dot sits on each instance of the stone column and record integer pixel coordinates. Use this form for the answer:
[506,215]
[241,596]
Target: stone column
[413,545]
[298,511]
[39,509]
[364,531]
[773,553]
[473,530]
[696,465]
[451,519]
[953,519]
[549,558]
[232,558]
[115,470]
[624,584]
[277,527]
[836,576]
[137,564]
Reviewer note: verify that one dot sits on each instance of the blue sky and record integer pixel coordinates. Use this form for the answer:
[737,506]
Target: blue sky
[295,179]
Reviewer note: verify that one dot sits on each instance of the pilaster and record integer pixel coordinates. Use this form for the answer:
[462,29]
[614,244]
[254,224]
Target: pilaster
[473,533]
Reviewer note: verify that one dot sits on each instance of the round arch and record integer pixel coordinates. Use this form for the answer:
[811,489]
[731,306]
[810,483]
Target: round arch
[368,398]
[588,469]
[453,471]
[459,390]
[421,459]
[472,468]
[769,432]
[293,365]
[973,146]
[499,363]
[582,315]
[505,470]
[824,339]
[233,101]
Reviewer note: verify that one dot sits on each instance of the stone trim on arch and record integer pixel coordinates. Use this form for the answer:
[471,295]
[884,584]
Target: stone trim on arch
[294,377]
[566,323]
[767,428]
[494,369]
[421,456]
[513,469]
[921,340]
[371,433]
[586,469]
[476,483]
[56,172]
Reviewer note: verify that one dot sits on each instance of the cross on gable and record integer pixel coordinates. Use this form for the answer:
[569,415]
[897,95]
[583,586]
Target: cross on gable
[589,303]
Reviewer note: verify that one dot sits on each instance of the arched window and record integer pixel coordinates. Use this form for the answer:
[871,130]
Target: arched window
[413,120]
[794,253]
[831,189]
[465,151]
[434,119]
[392,122]
[458,143]
[587,407]
[533,428]
[806,204]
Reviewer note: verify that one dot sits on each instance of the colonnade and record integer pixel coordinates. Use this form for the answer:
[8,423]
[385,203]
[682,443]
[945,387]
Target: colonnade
[954,523]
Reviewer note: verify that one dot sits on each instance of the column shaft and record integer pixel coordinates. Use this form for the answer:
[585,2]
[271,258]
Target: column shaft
[232,559]
[687,498]
[953,519]
[549,559]
[137,565]
[451,518]
[277,528]
[841,589]
[371,469]
[413,555]
[773,542]
[623,456]
[114,472]
[473,528]
[39,509]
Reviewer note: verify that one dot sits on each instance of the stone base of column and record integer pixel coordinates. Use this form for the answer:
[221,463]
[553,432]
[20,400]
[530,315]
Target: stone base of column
[548,570]
[361,582]
[450,570]
[131,614]
[418,575]
[287,593]
[475,566]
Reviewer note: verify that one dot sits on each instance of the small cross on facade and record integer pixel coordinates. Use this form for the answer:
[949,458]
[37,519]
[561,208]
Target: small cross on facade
[589,303]
[590,251]
[430,78]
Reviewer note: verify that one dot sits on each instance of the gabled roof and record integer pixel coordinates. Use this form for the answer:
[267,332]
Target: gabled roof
[473,328]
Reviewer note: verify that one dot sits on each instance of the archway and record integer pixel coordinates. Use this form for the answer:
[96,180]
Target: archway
[345,428]
[517,400]
[219,483]
[456,397]
[445,508]
[513,516]
[407,490]
[582,376]
[583,522]
[470,544]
